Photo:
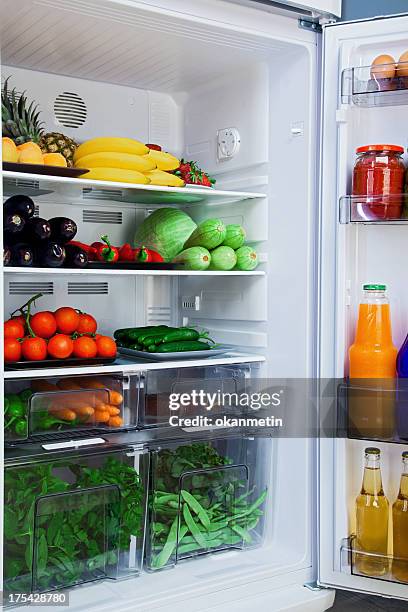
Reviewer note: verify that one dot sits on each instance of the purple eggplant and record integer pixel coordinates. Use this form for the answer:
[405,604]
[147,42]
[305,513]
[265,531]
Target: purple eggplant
[63,229]
[19,205]
[75,256]
[6,255]
[13,223]
[50,255]
[21,254]
[36,230]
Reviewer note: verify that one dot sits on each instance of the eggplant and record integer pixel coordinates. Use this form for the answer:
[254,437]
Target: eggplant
[63,229]
[51,255]
[75,256]
[13,223]
[6,255]
[21,254]
[36,230]
[19,205]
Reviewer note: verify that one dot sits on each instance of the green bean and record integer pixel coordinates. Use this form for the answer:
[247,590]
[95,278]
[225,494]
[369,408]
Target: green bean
[169,546]
[243,533]
[193,527]
[196,507]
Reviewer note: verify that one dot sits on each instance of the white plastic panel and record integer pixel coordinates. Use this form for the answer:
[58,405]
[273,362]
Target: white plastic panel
[350,256]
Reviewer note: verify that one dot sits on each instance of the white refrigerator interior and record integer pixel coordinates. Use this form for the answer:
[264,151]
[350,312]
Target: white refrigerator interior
[175,74]
[353,254]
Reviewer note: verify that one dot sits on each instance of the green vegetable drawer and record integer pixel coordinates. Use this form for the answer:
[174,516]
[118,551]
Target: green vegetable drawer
[167,397]
[73,520]
[206,497]
[39,409]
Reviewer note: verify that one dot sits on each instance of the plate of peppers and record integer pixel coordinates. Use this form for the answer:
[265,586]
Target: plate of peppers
[103,255]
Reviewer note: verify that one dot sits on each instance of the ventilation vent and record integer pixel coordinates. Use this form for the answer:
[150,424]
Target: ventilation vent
[102,194]
[88,288]
[158,315]
[190,302]
[13,184]
[70,110]
[102,216]
[22,288]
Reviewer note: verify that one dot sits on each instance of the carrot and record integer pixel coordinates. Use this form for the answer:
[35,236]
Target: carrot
[84,411]
[43,386]
[115,421]
[65,414]
[113,411]
[115,397]
[101,416]
[68,385]
[94,384]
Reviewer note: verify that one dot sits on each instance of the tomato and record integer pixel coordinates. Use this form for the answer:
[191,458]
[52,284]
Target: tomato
[87,324]
[106,346]
[20,318]
[60,346]
[12,350]
[34,349]
[85,347]
[67,319]
[43,324]
[13,329]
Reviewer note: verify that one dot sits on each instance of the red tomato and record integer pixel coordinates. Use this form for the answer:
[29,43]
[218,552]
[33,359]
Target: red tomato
[34,349]
[87,324]
[60,346]
[19,318]
[12,350]
[67,319]
[13,329]
[85,347]
[106,346]
[43,324]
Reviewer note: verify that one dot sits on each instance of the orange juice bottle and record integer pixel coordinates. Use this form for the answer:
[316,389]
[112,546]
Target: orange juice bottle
[373,356]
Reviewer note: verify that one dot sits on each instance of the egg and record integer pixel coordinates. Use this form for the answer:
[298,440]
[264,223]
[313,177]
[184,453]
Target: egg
[402,66]
[383,67]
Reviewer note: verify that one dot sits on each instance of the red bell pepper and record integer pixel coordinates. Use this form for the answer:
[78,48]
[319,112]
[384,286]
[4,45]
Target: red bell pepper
[126,253]
[144,255]
[106,252]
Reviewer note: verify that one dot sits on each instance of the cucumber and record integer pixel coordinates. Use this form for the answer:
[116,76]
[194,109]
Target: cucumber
[234,237]
[209,234]
[194,258]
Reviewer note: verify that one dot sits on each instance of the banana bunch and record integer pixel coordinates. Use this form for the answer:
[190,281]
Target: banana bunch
[125,160]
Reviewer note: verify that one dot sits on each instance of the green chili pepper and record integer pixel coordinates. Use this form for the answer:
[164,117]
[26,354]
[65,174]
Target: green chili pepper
[21,428]
[15,409]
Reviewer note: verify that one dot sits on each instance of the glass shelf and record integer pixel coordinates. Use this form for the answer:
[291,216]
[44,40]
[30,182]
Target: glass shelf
[373,410]
[386,210]
[39,184]
[361,88]
[372,565]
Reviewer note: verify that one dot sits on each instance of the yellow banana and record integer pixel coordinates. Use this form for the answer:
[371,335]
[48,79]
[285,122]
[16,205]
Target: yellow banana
[164,161]
[164,179]
[117,175]
[109,159]
[116,144]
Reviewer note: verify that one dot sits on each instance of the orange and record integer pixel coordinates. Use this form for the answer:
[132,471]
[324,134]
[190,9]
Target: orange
[9,150]
[30,153]
[54,159]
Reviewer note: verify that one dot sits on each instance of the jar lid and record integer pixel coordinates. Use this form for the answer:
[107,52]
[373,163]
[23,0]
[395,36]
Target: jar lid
[372,287]
[380,147]
[372,451]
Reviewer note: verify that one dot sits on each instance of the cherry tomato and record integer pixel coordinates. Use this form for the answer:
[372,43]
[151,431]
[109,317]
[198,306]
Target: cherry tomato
[13,329]
[12,350]
[106,346]
[87,324]
[34,349]
[85,347]
[60,346]
[67,319]
[43,324]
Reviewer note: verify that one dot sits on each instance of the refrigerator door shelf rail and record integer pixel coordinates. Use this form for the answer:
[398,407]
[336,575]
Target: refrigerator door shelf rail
[379,209]
[361,86]
[372,565]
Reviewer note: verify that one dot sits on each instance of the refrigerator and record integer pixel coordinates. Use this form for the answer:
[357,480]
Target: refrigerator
[261,95]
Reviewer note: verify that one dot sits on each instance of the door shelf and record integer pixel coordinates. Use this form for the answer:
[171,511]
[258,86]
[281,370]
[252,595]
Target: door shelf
[38,184]
[373,410]
[359,88]
[388,210]
[118,272]
[372,565]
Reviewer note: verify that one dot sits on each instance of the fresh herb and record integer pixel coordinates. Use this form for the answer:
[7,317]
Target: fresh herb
[216,512]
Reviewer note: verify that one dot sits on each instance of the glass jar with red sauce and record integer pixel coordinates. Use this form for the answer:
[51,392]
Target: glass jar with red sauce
[379,173]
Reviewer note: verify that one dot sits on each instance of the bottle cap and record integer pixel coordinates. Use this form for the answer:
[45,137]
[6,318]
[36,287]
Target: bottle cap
[374,287]
[405,455]
[372,451]
[380,147]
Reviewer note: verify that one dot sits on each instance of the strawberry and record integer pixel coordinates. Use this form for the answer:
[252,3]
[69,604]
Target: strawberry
[155,147]
[193,175]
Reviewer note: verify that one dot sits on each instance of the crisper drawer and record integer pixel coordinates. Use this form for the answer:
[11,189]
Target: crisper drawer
[161,391]
[206,497]
[56,408]
[73,520]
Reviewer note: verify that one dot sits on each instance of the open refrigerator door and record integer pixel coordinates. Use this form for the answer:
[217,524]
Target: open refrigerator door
[363,225]
[217,520]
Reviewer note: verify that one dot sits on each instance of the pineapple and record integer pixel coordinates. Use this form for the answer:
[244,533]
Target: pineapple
[20,121]
[55,142]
